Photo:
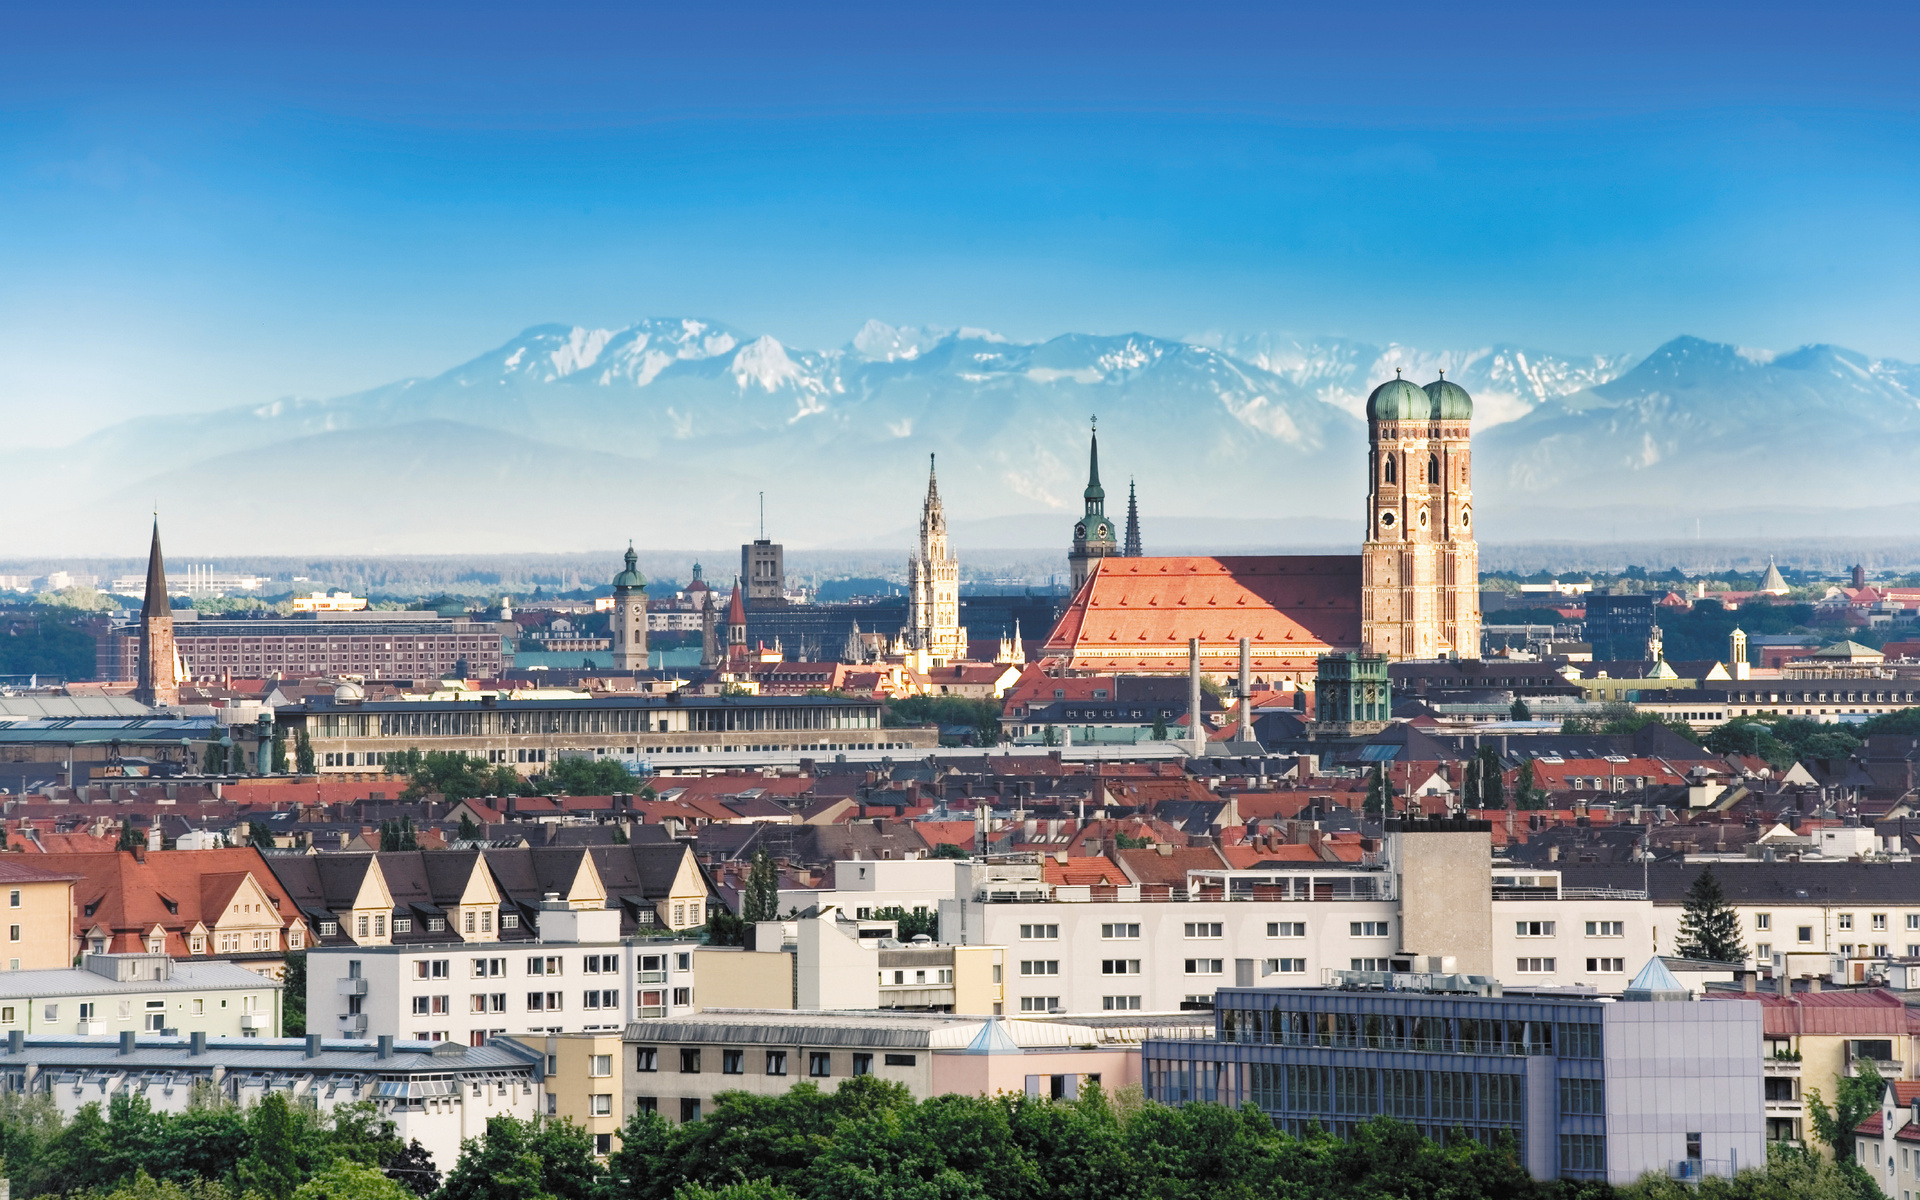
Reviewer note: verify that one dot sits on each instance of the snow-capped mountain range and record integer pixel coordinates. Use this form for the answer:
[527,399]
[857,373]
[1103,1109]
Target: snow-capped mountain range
[665,430]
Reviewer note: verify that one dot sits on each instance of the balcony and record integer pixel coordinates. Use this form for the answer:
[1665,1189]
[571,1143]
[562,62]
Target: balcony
[653,977]
[255,1021]
[1889,1068]
[1780,1068]
[353,1024]
[94,1029]
[349,987]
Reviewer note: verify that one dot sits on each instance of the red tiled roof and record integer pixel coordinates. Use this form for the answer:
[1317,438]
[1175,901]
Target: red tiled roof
[1149,865]
[1249,857]
[945,833]
[1852,1013]
[1095,870]
[1136,614]
[130,896]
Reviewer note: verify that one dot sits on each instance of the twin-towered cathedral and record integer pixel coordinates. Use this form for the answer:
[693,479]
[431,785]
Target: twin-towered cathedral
[1411,592]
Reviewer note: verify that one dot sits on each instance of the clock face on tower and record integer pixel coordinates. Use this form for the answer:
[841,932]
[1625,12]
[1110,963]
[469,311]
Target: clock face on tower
[1386,520]
[1080,531]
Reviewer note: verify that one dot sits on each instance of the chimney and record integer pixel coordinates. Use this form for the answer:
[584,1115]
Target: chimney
[153,835]
[16,1041]
[1246,691]
[1196,724]
[129,1042]
[1813,984]
[197,1042]
[1750,981]
[140,853]
[385,1046]
[313,1045]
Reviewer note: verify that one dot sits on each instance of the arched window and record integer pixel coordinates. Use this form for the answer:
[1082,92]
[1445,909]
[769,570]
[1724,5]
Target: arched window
[1388,475]
[1433,468]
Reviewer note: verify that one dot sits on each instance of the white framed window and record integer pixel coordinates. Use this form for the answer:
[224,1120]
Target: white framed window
[1371,964]
[1039,1004]
[1846,921]
[1367,929]
[1286,966]
[1286,929]
[1119,1003]
[1878,921]
[1763,920]
[1606,966]
[1205,966]
[602,1104]
[1534,966]
[1533,929]
[1203,929]
[1610,929]
[1764,951]
[1119,931]
[1039,933]
[1913,920]
[1039,966]
[1119,966]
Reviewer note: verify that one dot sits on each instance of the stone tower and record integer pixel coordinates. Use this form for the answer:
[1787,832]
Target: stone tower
[1420,566]
[159,681]
[1093,534]
[933,583]
[1133,524]
[628,620]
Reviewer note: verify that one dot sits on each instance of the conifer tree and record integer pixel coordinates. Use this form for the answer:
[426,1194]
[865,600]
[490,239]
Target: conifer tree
[1709,928]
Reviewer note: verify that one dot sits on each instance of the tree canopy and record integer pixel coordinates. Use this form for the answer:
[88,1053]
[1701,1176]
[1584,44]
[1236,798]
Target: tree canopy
[1709,927]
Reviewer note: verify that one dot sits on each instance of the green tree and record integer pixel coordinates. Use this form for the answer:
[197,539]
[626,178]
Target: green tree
[293,998]
[760,901]
[590,777]
[412,1166]
[1493,791]
[724,928]
[130,838]
[1709,927]
[272,1165]
[1379,801]
[469,829]
[214,760]
[950,850]
[1526,789]
[344,1180]
[279,759]
[1159,727]
[1855,1098]
[909,923]
[521,1160]
[303,755]
[1520,711]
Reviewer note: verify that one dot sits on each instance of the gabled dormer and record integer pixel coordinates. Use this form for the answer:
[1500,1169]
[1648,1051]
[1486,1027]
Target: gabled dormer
[587,890]
[476,917]
[368,922]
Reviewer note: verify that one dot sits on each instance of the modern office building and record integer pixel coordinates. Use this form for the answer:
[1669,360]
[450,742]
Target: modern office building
[374,645]
[1589,1088]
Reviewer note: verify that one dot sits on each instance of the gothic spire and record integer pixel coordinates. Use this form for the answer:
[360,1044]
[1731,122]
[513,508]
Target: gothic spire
[1096,495]
[1133,524]
[156,602]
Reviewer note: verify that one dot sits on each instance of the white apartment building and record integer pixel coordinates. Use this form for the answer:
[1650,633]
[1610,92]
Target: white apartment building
[578,977]
[864,887]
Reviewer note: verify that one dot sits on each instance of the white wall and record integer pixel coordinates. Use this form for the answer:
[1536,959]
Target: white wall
[1674,1068]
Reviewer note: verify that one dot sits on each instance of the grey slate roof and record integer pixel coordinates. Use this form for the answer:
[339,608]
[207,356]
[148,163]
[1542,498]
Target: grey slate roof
[187,977]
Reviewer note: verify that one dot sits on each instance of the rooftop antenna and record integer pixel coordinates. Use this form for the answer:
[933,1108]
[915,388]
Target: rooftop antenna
[763,516]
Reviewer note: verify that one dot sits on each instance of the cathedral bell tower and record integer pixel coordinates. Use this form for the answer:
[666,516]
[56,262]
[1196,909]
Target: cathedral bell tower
[1093,534]
[1420,566]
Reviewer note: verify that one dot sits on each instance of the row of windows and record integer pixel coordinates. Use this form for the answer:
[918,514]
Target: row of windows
[1391,1031]
[90,1010]
[1368,1091]
[734,1062]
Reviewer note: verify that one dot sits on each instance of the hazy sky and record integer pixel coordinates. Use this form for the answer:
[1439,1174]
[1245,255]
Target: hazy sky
[221,204]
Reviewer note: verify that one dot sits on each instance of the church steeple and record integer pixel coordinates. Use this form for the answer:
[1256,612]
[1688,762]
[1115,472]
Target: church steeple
[159,681]
[1093,533]
[1133,524]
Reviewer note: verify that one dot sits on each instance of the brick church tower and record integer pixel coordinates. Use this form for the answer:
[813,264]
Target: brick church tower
[1420,566]
[159,681]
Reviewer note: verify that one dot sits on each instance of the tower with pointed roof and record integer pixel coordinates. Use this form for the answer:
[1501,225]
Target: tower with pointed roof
[159,680]
[628,620]
[933,583]
[1133,524]
[1773,583]
[736,630]
[1420,564]
[1093,533]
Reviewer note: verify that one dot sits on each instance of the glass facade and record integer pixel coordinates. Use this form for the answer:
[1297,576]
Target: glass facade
[1441,1062]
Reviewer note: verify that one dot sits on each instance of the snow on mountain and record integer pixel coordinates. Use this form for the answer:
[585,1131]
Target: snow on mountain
[1507,381]
[687,418]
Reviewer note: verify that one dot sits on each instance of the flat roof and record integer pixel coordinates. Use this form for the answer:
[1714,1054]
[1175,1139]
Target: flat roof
[330,704]
[186,977]
[266,1054]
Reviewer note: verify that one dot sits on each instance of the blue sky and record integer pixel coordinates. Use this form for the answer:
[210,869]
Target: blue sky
[219,204]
